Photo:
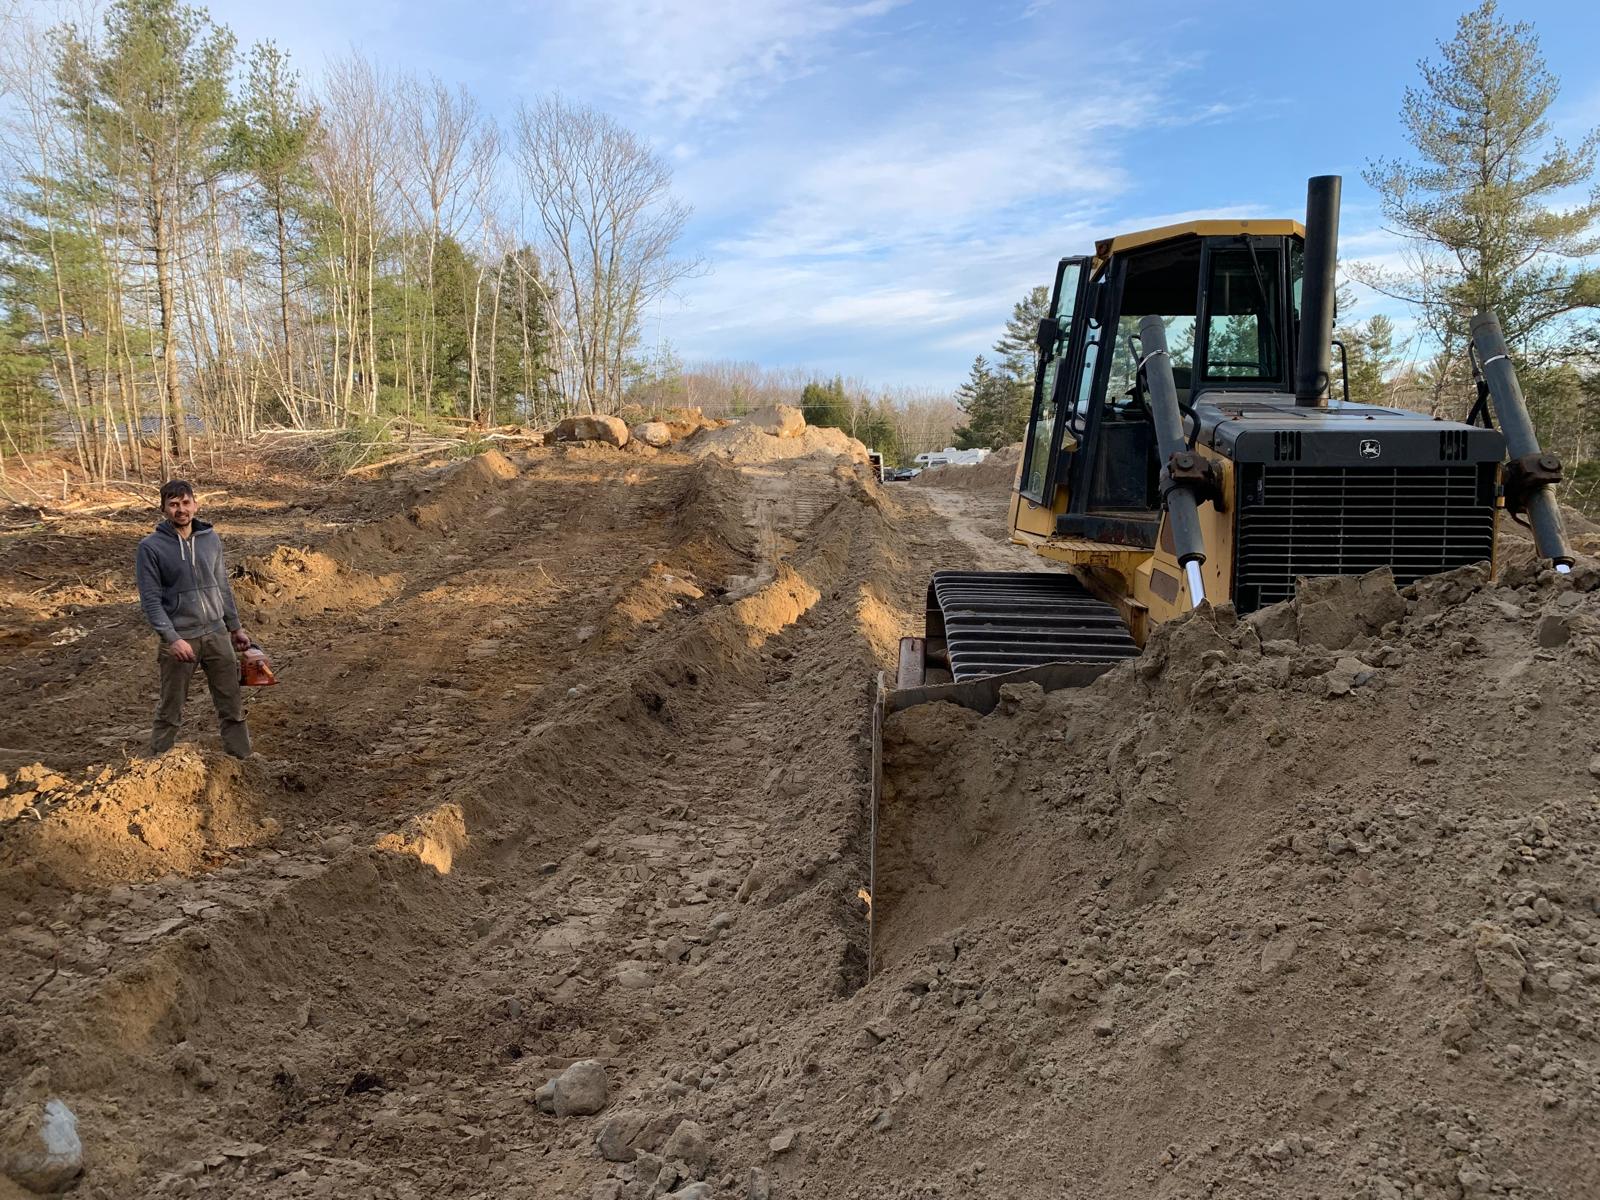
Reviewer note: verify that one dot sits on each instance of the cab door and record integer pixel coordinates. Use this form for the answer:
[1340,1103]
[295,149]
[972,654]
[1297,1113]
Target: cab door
[1057,343]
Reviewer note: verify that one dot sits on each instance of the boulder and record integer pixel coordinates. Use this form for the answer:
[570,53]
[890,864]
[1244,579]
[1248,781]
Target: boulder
[780,420]
[579,1091]
[652,433]
[689,1147]
[610,430]
[39,1147]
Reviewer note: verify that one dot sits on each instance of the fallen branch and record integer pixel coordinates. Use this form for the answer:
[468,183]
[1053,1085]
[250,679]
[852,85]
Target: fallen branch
[378,465]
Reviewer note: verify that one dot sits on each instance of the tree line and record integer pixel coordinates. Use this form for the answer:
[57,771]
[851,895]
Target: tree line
[196,238]
[1491,211]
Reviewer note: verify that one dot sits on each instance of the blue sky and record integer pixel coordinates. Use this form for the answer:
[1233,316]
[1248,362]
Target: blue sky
[875,182]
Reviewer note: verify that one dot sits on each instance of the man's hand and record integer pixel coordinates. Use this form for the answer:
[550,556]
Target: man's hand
[241,640]
[182,651]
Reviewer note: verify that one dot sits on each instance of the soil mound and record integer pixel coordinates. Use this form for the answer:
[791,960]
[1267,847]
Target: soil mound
[996,474]
[1297,905]
[746,442]
[308,581]
[140,821]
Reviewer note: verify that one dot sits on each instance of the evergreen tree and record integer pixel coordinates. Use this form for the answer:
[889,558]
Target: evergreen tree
[825,404]
[1017,353]
[272,136]
[1018,348]
[1485,200]
[989,399]
[151,102]
[1370,355]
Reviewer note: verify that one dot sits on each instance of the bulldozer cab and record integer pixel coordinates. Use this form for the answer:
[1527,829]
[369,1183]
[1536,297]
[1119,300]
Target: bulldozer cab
[1227,293]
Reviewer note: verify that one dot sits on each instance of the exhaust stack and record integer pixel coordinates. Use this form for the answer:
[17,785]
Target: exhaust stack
[1314,359]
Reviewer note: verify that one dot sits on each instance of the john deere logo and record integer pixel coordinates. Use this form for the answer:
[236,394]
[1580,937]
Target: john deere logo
[1370,448]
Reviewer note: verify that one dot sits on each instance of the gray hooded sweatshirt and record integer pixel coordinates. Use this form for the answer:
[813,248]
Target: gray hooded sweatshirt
[183,583]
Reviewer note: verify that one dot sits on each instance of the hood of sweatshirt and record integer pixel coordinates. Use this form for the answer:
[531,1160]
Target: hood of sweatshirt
[166,529]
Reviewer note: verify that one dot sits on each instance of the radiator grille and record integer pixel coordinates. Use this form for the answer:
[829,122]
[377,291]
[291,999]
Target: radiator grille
[1296,521]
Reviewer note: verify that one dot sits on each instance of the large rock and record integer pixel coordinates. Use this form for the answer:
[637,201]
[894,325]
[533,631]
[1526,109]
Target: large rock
[39,1147]
[579,1091]
[610,430]
[781,420]
[652,433]
[690,1147]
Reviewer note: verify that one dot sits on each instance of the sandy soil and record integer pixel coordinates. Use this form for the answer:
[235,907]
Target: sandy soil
[567,777]
[565,762]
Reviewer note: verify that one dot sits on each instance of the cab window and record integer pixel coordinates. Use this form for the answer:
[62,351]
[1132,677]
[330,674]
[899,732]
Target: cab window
[1242,339]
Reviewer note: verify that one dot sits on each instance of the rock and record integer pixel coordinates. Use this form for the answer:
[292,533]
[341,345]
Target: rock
[689,1145]
[784,1141]
[780,420]
[39,1147]
[675,949]
[1069,989]
[618,1135]
[1500,963]
[1347,675]
[652,433]
[759,1187]
[1104,1027]
[695,1191]
[579,1091]
[610,430]
[606,1189]
[634,978]
[1554,630]
[1278,954]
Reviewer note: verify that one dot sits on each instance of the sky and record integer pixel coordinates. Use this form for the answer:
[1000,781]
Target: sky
[875,183]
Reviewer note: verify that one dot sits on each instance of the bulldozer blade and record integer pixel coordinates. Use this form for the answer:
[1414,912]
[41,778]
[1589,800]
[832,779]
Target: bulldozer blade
[980,695]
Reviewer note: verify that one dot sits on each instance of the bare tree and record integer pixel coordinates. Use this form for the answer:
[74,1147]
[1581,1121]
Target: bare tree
[609,222]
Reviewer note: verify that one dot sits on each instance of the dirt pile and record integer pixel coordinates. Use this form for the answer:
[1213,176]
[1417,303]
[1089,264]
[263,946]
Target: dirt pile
[750,442]
[291,579]
[1300,905]
[995,475]
[132,822]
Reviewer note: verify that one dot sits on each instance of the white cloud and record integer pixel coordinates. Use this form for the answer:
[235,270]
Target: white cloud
[693,58]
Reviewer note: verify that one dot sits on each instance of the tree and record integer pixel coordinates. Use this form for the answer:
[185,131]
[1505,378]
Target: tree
[270,142]
[989,399]
[151,101]
[1370,352]
[602,198]
[826,405]
[1017,352]
[1484,206]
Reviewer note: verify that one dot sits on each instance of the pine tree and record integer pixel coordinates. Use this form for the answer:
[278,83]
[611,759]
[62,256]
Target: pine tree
[1017,352]
[825,404]
[151,101]
[988,397]
[1370,355]
[270,141]
[1484,203]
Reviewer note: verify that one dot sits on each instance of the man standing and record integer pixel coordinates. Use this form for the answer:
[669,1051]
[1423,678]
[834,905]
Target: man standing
[184,592]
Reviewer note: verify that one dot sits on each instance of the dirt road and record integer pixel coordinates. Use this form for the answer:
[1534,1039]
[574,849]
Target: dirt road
[566,763]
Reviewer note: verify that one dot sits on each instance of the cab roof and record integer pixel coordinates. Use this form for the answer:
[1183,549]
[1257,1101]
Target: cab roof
[1106,247]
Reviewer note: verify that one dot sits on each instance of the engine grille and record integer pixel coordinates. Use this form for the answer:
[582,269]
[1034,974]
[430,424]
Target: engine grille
[1296,521]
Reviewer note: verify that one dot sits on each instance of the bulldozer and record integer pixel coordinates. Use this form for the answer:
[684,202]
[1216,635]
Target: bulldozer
[1184,448]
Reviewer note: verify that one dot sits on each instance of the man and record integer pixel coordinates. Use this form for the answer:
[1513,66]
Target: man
[184,592]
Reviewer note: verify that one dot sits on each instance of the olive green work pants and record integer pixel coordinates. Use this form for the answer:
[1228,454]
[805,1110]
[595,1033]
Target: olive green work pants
[221,665]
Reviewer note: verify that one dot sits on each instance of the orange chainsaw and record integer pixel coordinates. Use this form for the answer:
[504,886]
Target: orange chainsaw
[254,669]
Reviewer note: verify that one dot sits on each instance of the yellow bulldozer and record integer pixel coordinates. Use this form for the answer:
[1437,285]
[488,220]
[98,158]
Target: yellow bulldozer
[1183,448]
